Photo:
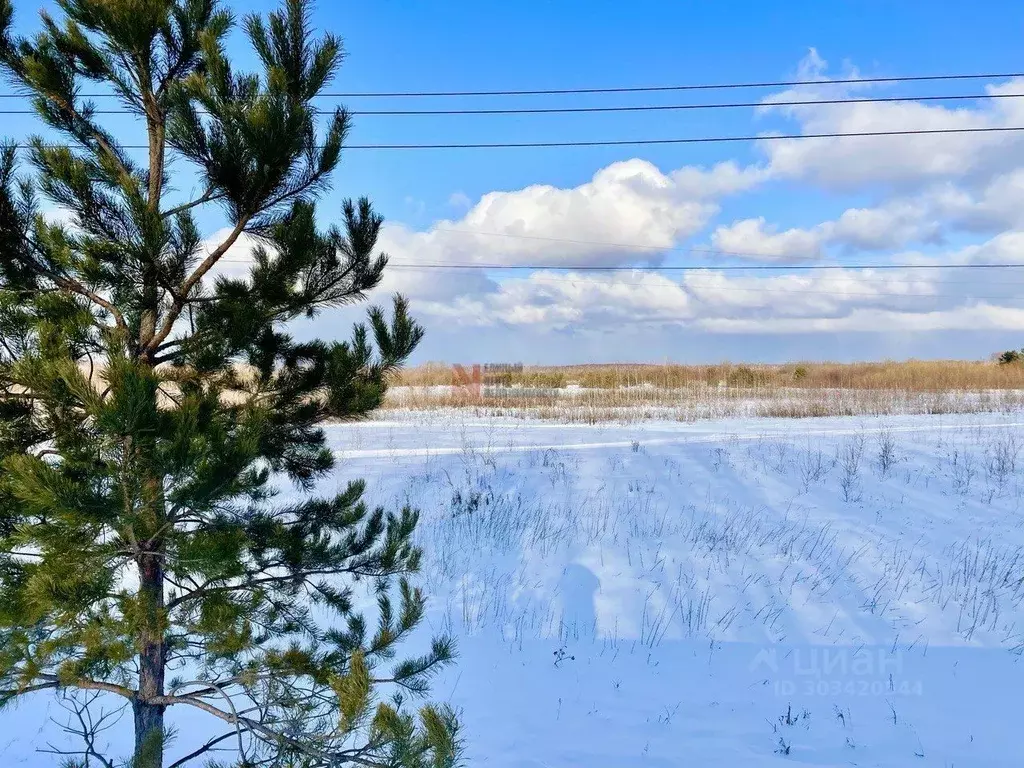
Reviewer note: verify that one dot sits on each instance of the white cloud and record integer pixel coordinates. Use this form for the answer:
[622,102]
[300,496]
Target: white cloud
[812,66]
[996,205]
[1004,248]
[805,292]
[910,192]
[629,211]
[459,200]
[891,225]
[754,238]
[718,302]
[725,178]
[979,317]
[850,163]
[559,300]
[715,301]
[629,202]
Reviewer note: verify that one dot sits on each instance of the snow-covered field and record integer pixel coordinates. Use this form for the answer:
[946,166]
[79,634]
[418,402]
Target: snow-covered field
[828,591]
[839,591]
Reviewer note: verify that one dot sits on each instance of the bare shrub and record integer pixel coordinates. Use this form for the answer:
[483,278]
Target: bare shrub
[812,468]
[1001,461]
[963,469]
[886,458]
[850,455]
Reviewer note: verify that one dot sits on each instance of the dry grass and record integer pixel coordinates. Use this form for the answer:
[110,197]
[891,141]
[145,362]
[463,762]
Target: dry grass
[593,393]
[687,392]
[911,375]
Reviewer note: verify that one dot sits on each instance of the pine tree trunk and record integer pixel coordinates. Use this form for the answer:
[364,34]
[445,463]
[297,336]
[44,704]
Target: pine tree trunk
[149,718]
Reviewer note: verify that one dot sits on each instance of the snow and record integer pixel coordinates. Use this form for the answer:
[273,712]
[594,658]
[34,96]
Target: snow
[839,591]
[664,593]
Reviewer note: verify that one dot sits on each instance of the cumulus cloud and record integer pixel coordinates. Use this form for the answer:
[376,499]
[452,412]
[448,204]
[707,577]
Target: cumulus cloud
[996,205]
[725,302]
[850,163]
[714,301]
[629,211]
[1004,248]
[979,317]
[893,224]
[908,193]
[560,300]
[753,238]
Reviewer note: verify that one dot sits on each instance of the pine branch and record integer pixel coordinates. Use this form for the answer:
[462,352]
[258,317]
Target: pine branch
[250,584]
[87,684]
[209,196]
[227,697]
[202,750]
[186,287]
[88,130]
[12,693]
[218,686]
[269,734]
[53,682]
[72,285]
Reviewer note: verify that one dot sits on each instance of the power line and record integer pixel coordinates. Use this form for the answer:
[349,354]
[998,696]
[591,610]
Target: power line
[626,246]
[628,108]
[685,87]
[644,142]
[688,140]
[656,269]
[693,249]
[705,267]
[798,291]
[697,285]
[637,89]
[867,279]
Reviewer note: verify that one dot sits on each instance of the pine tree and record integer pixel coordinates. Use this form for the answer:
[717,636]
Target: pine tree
[151,404]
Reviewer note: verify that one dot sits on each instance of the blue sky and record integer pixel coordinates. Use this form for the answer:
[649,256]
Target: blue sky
[397,46]
[886,200]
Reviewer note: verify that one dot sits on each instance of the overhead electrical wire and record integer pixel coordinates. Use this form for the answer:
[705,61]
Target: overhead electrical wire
[619,108]
[692,249]
[685,140]
[718,287]
[641,142]
[864,275]
[799,291]
[637,89]
[795,262]
[669,88]
[716,268]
